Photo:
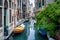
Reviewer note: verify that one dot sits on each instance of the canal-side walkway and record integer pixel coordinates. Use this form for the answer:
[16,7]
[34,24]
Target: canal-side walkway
[30,33]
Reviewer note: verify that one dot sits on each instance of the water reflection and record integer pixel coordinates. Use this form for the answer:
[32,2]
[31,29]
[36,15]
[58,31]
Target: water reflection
[31,36]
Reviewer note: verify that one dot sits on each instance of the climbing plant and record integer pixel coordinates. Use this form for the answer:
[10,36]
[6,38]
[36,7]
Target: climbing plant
[49,17]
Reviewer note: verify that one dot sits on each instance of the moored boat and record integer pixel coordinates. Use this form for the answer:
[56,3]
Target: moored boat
[19,29]
[43,32]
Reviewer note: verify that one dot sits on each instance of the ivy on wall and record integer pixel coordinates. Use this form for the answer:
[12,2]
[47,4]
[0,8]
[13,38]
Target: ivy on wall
[49,17]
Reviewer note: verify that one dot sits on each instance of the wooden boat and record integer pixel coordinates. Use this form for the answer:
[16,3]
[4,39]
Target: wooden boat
[19,29]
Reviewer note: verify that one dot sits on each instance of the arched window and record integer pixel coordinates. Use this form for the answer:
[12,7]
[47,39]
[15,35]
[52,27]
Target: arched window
[5,4]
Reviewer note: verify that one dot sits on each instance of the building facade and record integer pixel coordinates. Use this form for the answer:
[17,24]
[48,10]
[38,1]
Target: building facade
[11,12]
[40,4]
[1,20]
[19,16]
[8,16]
[23,6]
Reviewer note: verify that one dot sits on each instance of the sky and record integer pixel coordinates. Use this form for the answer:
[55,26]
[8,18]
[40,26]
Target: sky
[32,1]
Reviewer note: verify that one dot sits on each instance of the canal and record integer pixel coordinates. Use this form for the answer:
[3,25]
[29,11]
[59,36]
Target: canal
[30,33]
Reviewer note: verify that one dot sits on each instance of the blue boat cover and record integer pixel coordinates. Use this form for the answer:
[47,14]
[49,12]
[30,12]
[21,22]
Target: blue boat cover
[43,32]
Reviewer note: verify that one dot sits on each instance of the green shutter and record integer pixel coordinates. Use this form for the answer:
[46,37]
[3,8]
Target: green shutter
[4,12]
[42,2]
[5,19]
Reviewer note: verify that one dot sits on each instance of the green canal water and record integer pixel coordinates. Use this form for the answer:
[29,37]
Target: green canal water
[30,33]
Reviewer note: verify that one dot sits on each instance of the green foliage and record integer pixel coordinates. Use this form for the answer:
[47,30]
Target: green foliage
[57,1]
[49,17]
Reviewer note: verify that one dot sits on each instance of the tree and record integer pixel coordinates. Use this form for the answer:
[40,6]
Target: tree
[49,17]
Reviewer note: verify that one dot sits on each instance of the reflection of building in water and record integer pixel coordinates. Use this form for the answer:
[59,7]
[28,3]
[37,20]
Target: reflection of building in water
[31,36]
[32,23]
[27,29]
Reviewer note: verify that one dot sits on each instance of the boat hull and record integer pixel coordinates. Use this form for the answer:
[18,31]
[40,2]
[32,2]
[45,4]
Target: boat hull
[19,29]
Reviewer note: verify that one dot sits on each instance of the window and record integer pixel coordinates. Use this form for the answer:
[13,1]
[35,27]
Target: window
[5,4]
[42,2]
[0,17]
[1,2]
[10,16]
[39,4]
[9,3]
[18,2]
[12,5]
[18,16]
